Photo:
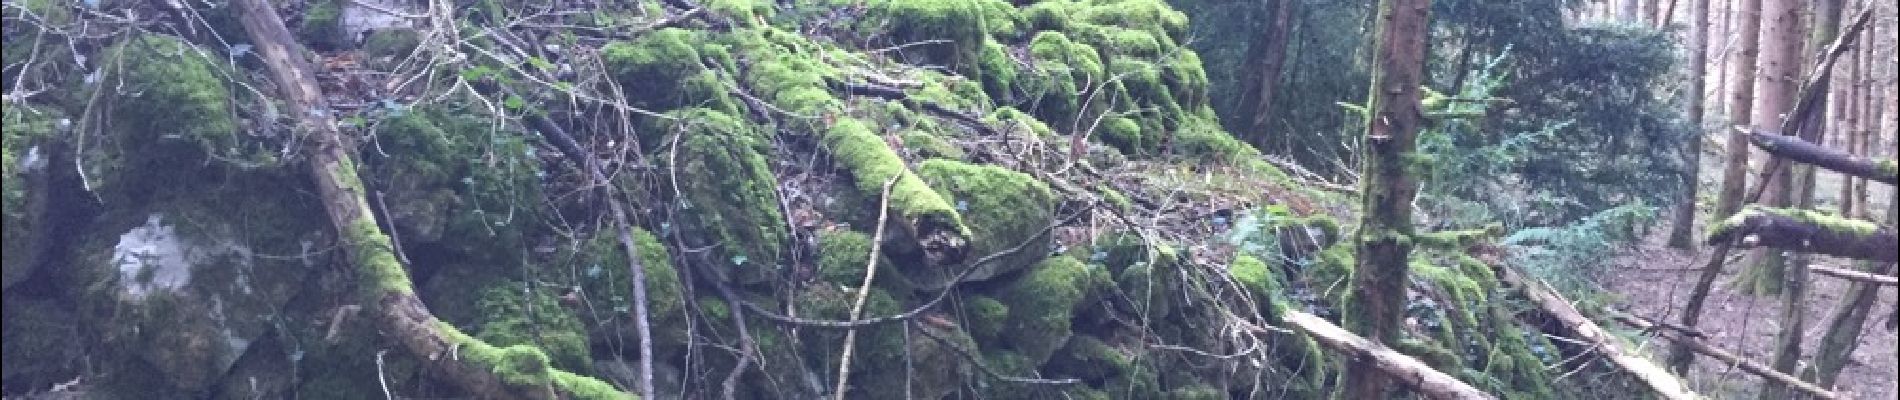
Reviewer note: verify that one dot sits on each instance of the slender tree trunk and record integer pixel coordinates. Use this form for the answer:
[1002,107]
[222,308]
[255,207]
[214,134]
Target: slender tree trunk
[1746,21]
[1272,62]
[1383,242]
[1775,89]
[1652,12]
[1630,11]
[1851,107]
[1681,234]
[1798,186]
[1844,327]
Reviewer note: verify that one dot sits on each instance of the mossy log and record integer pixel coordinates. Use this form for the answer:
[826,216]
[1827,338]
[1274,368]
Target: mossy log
[1834,160]
[1808,232]
[930,220]
[1727,358]
[1403,369]
[477,367]
[1663,383]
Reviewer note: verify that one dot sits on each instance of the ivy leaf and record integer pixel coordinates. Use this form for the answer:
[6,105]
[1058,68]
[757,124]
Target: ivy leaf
[514,103]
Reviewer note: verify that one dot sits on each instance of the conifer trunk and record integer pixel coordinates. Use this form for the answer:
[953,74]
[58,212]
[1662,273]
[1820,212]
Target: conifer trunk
[1778,66]
[1682,232]
[1384,243]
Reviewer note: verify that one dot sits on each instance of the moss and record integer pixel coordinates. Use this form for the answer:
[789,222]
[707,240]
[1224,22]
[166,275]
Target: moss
[376,261]
[1458,239]
[322,26]
[959,22]
[1124,134]
[510,317]
[25,129]
[986,318]
[524,367]
[183,114]
[1042,303]
[394,43]
[1887,168]
[1437,357]
[1196,392]
[450,179]
[1048,16]
[1002,208]
[1013,120]
[928,145]
[793,82]
[871,163]
[584,388]
[750,13]
[1826,221]
[995,68]
[728,194]
[1089,359]
[1153,15]
[1261,281]
[651,68]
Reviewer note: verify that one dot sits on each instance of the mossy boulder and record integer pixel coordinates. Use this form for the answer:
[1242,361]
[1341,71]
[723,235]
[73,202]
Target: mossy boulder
[663,70]
[447,179]
[1004,209]
[606,288]
[174,111]
[926,222]
[728,197]
[1043,302]
[23,182]
[958,24]
[185,284]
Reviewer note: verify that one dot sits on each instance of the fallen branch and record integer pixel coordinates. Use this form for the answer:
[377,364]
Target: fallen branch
[1731,359]
[864,290]
[1807,232]
[1659,380]
[473,365]
[1877,279]
[1401,368]
[1803,151]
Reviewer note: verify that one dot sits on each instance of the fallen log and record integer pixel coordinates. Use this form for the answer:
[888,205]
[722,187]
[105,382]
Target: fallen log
[1852,275]
[1730,358]
[481,369]
[1659,380]
[1807,232]
[1411,372]
[1805,152]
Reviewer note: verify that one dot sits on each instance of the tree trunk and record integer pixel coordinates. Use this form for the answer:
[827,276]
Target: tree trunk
[475,366]
[1746,22]
[1383,242]
[1272,61]
[1683,230]
[1630,11]
[1850,110]
[1775,89]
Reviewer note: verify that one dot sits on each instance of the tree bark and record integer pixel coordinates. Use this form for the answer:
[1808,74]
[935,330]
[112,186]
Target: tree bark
[1807,232]
[1877,279]
[1801,151]
[1272,61]
[1660,381]
[1681,233]
[444,351]
[1745,21]
[1727,358]
[1383,242]
[1781,43]
[1411,372]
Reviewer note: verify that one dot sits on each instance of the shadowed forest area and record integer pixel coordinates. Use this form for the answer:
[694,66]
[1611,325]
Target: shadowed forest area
[949,199]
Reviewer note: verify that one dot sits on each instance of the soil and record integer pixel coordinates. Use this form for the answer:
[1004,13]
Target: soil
[1653,281]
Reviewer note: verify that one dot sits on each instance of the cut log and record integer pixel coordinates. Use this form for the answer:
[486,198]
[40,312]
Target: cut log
[1802,151]
[484,371]
[1728,358]
[1659,380]
[1808,232]
[1405,370]
[1857,276]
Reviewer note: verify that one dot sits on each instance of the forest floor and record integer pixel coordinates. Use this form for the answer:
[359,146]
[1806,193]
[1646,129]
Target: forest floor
[1652,280]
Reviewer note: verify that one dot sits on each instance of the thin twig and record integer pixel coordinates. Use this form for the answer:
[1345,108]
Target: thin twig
[864,289]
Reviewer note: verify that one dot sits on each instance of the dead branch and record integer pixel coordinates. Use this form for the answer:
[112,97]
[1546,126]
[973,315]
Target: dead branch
[1662,382]
[1870,278]
[1402,368]
[1726,357]
[1802,151]
[864,290]
[1808,232]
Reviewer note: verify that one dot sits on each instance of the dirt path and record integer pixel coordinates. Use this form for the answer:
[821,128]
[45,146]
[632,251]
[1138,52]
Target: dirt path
[1653,280]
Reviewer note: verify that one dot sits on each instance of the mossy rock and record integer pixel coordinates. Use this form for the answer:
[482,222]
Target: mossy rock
[985,318]
[928,145]
[1262,282]
[392,43]
[1089,359]
[42,342]
[1043,302]
[183,114]
[449,179]
[662,70]
[960,23]
[1003,208]
[606,285]
[23,176]
[510,317]
[321,27]
[728,195]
